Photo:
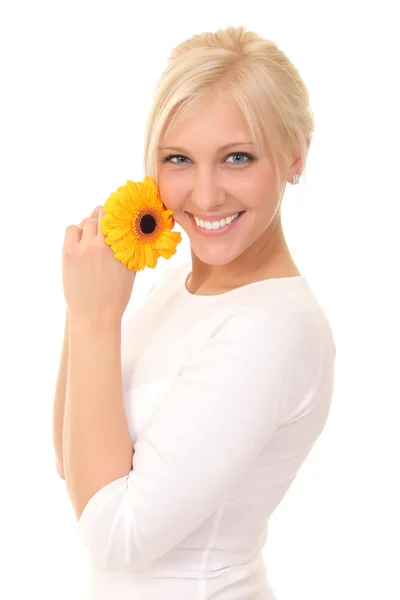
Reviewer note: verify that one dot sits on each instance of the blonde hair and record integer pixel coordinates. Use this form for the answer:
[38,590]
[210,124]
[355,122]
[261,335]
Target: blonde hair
[254,72]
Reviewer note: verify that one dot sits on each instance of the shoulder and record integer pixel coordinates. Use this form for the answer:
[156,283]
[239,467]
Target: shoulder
[282,333]
[277,314]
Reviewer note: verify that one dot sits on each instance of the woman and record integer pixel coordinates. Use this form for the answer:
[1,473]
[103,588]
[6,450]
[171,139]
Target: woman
[228,366]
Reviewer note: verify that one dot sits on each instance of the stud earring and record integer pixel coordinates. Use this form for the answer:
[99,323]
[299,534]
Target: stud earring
[296,178]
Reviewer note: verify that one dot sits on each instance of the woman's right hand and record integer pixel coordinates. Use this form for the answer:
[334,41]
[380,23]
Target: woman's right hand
[94,215]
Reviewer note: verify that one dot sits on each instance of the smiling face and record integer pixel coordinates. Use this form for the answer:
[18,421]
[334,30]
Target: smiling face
[209,168]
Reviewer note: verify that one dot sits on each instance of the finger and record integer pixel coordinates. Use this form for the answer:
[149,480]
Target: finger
[99,218]
[95,212]
[89,230]
[72,236]
[93,215]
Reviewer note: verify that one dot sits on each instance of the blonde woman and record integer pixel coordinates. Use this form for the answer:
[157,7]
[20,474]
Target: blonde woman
[184,431]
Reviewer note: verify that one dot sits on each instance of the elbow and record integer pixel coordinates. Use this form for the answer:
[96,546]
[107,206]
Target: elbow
[118,554]
[119,550]
[107,529]
[116,538]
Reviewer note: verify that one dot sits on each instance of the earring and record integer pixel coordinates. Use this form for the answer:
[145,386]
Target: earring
[296,178]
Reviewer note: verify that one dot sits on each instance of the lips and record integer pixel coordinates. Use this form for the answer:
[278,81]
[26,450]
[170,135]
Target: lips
[215,232]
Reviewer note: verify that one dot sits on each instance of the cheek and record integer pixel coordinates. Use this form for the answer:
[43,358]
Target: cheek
[172,190]
[254,191]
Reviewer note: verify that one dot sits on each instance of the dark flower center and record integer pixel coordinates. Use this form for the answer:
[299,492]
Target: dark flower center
[147,224]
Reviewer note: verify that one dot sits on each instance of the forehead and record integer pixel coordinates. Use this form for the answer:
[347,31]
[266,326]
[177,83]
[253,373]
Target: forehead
[212,120]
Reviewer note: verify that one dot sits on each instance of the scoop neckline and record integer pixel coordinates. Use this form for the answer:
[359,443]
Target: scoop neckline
[188,269]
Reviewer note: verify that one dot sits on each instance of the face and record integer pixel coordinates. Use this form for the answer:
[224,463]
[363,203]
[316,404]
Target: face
[208,169]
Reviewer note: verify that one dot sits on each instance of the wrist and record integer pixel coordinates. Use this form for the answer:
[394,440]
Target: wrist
[95,325]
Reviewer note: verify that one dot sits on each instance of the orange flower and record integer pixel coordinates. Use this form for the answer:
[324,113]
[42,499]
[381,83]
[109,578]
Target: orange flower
[137,225]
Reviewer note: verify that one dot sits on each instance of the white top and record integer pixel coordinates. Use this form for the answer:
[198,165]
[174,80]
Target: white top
[225,396]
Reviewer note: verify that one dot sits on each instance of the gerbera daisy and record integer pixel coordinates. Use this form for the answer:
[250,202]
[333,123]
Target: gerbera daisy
[137,226]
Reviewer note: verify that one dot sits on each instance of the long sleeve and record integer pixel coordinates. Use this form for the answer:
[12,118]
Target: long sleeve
[233,392]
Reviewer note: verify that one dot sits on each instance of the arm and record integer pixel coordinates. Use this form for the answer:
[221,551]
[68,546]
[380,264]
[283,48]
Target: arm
[61,387]
[59,402]
[234,391]
[97,445]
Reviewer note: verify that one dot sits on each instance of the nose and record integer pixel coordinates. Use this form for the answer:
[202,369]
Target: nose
[207,192]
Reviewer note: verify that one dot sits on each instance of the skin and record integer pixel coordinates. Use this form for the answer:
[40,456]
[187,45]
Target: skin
[61,385]
[204,180]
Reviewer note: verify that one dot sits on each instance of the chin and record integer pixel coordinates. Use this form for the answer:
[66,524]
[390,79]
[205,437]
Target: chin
[216,257]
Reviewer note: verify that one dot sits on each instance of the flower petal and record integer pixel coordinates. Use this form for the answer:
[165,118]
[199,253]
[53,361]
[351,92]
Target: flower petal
[165,253]
[114,210]
[119,233]
[175,236]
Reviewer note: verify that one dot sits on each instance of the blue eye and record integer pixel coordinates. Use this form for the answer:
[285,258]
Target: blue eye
[241,155]
[236,154]
[171,156]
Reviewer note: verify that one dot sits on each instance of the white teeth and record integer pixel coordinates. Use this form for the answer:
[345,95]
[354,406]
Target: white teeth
[215,224]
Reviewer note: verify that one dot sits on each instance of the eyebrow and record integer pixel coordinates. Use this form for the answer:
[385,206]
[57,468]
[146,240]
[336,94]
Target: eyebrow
[179,149]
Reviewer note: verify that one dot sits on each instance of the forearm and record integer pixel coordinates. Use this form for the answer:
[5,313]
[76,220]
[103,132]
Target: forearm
[97,447]
[59,402]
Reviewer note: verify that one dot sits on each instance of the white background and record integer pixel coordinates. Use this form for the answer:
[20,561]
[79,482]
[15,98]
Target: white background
[76,85]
